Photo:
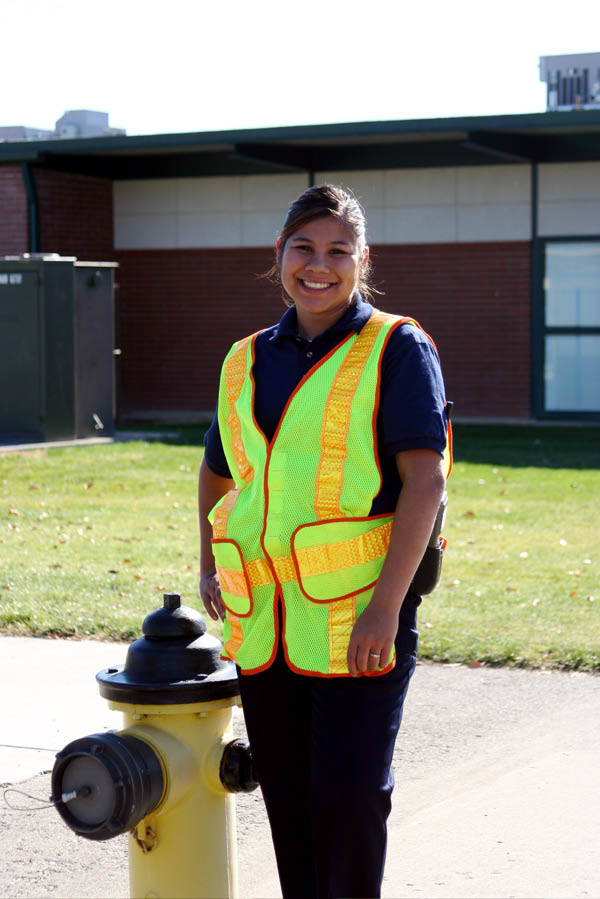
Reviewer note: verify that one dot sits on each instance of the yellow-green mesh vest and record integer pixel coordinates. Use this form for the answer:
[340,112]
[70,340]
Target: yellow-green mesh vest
[297,523]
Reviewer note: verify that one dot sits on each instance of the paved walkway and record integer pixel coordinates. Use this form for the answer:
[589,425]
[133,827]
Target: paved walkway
[497,787]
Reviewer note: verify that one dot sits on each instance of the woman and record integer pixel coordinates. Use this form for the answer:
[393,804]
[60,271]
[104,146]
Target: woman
[323,472]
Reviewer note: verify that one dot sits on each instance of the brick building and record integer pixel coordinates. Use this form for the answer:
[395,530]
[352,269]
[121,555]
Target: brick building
[487,230]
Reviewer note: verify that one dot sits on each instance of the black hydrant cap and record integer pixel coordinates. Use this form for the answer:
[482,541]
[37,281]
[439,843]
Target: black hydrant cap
[173,620]
[175,661]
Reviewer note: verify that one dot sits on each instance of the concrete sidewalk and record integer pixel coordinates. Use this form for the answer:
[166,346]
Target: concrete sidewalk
[497,788]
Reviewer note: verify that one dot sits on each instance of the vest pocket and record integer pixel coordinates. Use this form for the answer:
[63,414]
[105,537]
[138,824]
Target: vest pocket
[340,557]
[233,577]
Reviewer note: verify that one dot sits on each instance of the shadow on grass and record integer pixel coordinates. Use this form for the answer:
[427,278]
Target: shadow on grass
[513,445]
[528,446]
[178,435]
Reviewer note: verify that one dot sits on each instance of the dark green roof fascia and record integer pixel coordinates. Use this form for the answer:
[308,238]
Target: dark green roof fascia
[23,151]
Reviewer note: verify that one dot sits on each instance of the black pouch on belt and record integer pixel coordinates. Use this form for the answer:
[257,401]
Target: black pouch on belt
[428,573]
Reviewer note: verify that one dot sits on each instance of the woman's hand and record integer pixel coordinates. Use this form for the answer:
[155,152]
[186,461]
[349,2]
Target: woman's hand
[210,592]
[372,639]
[423,482]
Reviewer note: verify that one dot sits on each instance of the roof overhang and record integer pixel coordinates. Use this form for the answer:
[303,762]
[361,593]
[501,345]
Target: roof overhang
[483,140]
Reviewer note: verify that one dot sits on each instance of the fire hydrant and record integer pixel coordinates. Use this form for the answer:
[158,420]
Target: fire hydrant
[169,776]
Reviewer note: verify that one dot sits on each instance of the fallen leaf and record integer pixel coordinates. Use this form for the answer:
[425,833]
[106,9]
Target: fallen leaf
[469,514]
[503,492]
[475,664]
[127,561]
[510,587]
[573,593]
[13,512]
[138,577]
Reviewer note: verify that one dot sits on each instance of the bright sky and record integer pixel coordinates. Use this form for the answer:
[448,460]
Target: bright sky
[193,65]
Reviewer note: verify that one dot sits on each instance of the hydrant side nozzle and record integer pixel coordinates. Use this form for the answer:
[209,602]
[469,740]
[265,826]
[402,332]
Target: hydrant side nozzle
[117,779]
[236,771]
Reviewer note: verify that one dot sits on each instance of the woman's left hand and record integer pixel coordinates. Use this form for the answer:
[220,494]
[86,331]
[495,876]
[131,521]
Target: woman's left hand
[372,639]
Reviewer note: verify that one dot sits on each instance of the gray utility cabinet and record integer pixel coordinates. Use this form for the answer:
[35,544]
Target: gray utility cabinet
[57,348]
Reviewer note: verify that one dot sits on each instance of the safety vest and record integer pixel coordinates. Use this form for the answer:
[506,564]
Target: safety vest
[297,524]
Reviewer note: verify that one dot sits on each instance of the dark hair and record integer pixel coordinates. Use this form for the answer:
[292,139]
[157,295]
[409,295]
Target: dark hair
[318,202]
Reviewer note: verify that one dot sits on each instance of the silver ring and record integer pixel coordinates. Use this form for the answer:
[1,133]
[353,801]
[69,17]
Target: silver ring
[376,655]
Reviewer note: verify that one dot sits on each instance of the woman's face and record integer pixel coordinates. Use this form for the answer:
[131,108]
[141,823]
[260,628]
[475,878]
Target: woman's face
[320,270]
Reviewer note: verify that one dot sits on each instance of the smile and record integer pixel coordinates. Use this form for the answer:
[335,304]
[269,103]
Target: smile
[316,285]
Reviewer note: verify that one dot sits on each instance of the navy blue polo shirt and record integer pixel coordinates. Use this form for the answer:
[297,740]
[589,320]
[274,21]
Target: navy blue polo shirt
[411,411]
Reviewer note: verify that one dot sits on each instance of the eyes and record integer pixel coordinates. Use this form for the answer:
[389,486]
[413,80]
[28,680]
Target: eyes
[334,251]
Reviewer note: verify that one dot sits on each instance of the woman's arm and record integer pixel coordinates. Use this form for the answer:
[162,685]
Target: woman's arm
[423,483]
[211,487]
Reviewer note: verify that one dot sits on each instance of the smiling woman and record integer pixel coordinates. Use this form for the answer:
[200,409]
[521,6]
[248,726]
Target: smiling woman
[323,473]
[320,272]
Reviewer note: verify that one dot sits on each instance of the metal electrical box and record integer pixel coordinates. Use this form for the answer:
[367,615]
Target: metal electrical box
[57,348]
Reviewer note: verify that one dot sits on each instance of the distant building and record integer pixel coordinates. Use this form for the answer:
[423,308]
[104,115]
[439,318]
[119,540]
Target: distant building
[72,124]
[22,132]
[573,81]
[85,123]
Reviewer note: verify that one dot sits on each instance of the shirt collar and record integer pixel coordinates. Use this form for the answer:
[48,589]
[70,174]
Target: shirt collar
[353,319]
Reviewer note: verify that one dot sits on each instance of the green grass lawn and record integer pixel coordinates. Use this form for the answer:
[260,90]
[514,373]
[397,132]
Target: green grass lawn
[91,537]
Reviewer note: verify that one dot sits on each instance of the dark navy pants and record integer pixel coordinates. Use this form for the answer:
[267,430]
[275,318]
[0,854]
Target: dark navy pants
[323,749]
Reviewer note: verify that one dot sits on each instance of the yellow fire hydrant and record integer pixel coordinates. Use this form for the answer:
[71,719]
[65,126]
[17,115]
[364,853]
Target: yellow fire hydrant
[169,776]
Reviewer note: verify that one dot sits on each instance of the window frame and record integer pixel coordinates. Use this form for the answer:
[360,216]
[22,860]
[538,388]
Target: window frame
[540,330]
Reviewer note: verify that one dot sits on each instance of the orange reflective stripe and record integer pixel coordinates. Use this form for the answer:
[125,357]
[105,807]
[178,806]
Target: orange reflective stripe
[233,582]
[222,514]
[284,566]
[236,638]
[330,557]
[259,573]
[342,616]
[235,374]
[336,419]
[323,559]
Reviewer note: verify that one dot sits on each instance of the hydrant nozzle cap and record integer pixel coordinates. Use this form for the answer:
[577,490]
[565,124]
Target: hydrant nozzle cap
[176,661]
[172,601]
[173,620]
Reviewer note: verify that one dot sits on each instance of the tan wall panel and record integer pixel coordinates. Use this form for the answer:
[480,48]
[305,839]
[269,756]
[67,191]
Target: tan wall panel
[139,232]
[569,199]
[436,205]
[271,193]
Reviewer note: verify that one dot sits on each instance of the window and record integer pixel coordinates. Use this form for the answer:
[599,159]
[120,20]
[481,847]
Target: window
[572,327]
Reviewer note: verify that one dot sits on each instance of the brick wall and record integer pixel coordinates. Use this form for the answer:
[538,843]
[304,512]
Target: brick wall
[474,300]
[76,215]
[181,310]
[13,211]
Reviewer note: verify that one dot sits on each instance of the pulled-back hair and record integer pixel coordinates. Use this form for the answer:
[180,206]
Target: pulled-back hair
[321,201]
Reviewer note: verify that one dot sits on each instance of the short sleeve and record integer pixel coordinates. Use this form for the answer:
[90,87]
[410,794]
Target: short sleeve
[213,450]
[412,400]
